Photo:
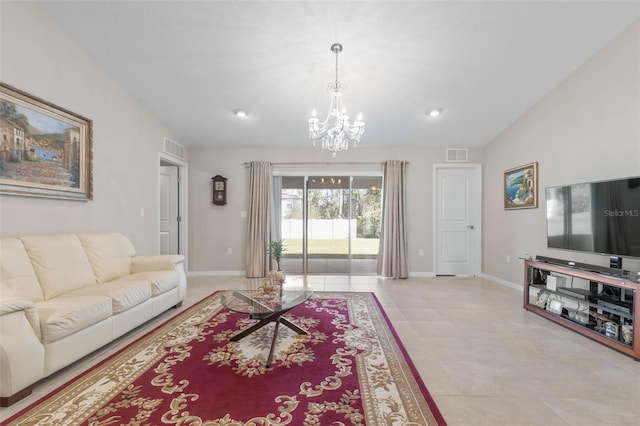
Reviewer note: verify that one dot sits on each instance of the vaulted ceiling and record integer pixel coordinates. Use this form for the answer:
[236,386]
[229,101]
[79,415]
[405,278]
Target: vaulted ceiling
[484,63]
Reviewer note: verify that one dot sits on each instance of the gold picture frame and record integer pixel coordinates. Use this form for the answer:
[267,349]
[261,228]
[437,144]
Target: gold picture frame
[521,187]
[45,150]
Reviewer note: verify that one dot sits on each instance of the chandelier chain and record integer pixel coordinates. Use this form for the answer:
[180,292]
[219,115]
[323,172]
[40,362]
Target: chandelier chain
[337,68]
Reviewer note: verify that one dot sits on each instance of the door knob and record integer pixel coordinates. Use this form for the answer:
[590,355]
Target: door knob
[470,226]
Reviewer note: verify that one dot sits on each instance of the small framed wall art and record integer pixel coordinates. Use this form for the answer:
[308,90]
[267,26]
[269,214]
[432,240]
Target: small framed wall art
[521,187]
[219,190]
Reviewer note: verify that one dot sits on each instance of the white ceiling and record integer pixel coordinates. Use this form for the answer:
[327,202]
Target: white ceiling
[485,63]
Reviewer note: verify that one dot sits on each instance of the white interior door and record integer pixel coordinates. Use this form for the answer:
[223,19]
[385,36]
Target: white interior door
[457,217]
[169,210]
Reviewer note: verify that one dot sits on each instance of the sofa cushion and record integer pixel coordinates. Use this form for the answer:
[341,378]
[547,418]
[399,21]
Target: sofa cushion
[65,315]
[123,294]
[161,281]
[60,263]
[109,254]
[17,276]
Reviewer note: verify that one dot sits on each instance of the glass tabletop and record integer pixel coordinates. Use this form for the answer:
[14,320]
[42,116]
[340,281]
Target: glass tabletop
[262,296]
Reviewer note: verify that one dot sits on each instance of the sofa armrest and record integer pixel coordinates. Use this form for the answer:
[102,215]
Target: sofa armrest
[163,262]
[9,305]
[21,351]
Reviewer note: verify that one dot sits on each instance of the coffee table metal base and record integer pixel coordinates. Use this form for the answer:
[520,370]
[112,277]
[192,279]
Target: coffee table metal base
[274,317]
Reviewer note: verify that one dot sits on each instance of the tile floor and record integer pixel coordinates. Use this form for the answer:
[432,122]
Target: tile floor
[485,360]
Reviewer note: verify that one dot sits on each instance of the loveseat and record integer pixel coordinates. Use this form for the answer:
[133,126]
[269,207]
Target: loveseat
[64,296]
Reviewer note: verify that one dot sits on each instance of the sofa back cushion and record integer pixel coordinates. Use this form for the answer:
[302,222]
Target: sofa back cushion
[60,263]
[109,255]
[17,276]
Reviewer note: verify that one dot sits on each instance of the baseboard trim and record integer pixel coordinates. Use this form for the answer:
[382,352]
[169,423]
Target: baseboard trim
[497,280]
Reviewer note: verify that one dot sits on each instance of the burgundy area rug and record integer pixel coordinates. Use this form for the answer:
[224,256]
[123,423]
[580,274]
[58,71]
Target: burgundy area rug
[351,369]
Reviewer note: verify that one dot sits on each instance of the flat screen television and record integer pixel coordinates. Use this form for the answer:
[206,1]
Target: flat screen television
[596,217]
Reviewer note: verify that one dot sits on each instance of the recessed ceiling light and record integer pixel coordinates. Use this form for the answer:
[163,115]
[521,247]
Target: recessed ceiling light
[240,113]
[435,112]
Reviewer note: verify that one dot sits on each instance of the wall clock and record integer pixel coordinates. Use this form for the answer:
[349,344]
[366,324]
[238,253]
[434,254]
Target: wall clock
[219,190]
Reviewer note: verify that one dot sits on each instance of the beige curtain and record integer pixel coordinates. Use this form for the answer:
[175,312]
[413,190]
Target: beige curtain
[392,257]
[260,205]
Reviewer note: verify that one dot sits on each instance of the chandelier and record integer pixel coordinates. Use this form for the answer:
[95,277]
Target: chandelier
[335,132]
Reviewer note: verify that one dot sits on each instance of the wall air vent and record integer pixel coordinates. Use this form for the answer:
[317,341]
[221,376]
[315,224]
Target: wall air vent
[173,148]
[457,155]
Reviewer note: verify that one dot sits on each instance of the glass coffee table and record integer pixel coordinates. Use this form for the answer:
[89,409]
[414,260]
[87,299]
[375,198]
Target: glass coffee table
[267,302]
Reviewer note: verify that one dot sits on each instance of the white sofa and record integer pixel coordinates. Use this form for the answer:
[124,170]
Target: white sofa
[64,296]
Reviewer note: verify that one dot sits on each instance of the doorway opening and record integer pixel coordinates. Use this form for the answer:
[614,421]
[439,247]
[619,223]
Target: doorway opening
[172,206]
[329,224]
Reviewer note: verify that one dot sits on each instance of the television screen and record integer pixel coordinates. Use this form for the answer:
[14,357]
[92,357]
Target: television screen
[597,217]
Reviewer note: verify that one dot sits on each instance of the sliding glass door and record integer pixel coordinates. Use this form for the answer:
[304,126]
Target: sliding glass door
[366,211]
[290,220]
[330,224]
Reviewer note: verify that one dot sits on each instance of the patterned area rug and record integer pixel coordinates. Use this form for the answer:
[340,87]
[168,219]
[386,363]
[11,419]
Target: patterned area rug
[351,369]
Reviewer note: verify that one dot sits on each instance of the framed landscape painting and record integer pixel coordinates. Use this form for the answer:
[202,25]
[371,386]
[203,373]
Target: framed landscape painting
[521,187]
[45,150]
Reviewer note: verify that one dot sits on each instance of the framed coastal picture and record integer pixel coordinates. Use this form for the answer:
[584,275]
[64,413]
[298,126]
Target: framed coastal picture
[45,150]
[521,187]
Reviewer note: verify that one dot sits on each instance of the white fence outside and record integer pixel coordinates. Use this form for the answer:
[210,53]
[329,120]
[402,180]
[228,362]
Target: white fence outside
[319,229]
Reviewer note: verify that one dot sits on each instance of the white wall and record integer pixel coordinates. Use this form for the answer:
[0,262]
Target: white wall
[214,229]
[39,57]
[47,63]
[587,129]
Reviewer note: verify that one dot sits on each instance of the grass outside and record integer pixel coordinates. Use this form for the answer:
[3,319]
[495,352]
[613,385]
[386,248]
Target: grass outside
[333,247]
